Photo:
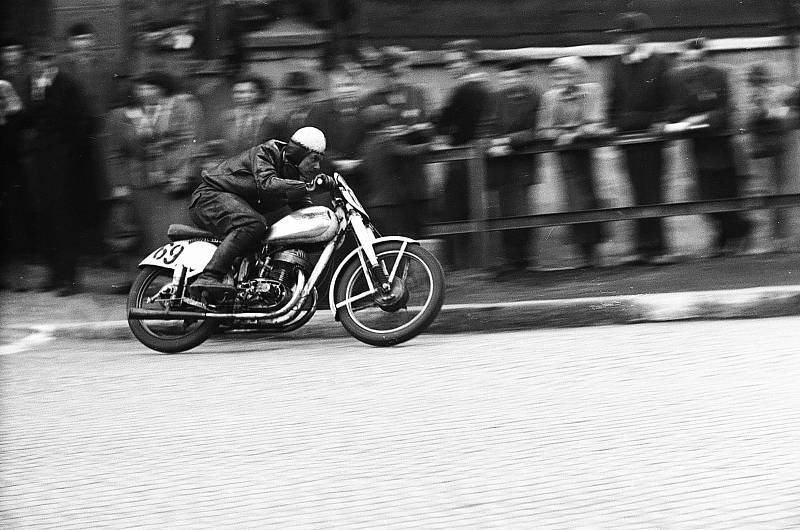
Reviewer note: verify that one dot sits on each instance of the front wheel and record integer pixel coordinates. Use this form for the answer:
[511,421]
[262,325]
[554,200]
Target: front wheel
[151,291]
[416,296]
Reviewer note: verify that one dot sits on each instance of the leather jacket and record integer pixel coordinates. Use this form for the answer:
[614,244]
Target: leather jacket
[261,176]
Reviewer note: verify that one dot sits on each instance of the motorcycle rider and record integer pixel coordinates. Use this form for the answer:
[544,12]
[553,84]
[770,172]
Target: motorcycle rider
[233,199]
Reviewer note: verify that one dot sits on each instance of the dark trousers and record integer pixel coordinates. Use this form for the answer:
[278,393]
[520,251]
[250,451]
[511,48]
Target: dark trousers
[456,208]
[646,172]
[723,184]
[56,214]
[94,210]
[228,216]
[578,173]
[513,200]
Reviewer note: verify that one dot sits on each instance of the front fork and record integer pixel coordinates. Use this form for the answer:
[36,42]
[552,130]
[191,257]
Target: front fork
[366,238]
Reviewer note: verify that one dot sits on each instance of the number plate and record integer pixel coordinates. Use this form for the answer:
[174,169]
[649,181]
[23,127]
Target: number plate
[194,255]
[169,254]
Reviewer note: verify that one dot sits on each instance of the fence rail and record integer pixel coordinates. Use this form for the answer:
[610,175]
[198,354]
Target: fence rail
[755,202]
[476,155]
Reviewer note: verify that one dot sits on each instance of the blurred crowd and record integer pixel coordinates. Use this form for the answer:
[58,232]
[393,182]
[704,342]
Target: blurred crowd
[100,165]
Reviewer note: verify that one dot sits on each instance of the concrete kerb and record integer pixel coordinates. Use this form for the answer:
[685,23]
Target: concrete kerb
[758,302]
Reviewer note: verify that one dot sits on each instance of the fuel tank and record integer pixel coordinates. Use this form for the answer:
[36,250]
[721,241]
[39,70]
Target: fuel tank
[315,224]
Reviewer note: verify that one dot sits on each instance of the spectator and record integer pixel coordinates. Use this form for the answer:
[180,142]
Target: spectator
[13,67]
[299,90]
[242,125]
[12,196]
[464,117]
[768,118]
[412,134]
[338,117]
[153,141]
[87,66]
[700,97]
[211,82]
[516,104]
[345,22]
[16,205]
[637,103]
[59,119]
[571,111]
[387,193]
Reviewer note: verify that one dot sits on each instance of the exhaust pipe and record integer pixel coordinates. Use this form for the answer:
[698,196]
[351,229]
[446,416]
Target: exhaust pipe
[136,313]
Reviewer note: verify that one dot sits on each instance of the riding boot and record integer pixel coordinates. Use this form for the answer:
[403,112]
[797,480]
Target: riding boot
[211,279]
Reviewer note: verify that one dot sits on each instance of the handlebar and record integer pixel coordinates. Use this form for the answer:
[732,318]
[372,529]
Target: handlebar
[322,181]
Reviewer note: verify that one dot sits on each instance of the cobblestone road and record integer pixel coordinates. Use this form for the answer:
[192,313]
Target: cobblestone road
[691,425]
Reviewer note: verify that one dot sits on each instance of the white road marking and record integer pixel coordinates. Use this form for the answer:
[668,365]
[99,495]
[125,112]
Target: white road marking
[41,335]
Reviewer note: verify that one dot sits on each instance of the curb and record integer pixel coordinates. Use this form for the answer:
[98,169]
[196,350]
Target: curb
[760,302]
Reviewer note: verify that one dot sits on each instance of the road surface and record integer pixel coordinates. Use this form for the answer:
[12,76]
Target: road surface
[679,425]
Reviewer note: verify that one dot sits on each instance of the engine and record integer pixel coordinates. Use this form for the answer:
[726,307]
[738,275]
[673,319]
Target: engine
[278,276]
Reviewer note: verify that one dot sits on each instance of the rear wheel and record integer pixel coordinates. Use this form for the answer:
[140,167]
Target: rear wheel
[414,301]
[150,291]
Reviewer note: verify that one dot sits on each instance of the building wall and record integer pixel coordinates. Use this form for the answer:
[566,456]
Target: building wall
[27,20]
[105,15]
[521,23]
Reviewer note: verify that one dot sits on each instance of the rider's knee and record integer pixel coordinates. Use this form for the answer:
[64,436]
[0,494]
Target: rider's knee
[256,230]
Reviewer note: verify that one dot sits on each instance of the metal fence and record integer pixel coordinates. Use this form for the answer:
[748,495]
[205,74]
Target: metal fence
[480,224]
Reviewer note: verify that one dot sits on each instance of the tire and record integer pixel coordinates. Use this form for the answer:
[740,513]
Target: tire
[423,281]
[168,336]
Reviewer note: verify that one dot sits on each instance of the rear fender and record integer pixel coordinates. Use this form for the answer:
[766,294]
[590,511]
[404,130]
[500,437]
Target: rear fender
[194,255]
[353,255]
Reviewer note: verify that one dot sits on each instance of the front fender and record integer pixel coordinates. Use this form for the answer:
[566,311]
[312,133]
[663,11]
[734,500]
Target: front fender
[353,255]
[194,255]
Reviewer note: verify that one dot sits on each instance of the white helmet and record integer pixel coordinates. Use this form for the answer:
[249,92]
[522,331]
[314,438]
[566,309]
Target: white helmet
[310,138]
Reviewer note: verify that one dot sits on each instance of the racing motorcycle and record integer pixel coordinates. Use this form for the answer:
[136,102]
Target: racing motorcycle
[384,292]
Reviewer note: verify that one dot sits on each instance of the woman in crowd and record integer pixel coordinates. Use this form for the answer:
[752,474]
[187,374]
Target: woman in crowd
[242,124]
[153,154]
[571,109]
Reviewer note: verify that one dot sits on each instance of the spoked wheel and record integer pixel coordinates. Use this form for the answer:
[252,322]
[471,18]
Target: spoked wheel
[414,300]
[167,336]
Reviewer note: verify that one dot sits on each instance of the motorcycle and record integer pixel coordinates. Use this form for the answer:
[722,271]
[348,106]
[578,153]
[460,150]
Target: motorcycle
[384,292]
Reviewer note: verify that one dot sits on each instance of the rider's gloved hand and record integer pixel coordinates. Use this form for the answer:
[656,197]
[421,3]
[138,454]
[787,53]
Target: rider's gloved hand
[323,181]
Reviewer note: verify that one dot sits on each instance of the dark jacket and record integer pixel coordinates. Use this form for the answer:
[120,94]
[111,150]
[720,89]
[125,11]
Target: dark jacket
[703,88]
[467,108]
[61,119]
[387,178]
[96,82]
[344,131]
[261,176]
[639,93]
[516,109]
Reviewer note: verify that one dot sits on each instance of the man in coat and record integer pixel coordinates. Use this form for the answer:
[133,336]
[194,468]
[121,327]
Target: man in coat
[701,96]
[339,118]
[466,115]
[408,107]
[85,64]
[298,95]
[516,104]
[13,67]
[637,103]
[59,120]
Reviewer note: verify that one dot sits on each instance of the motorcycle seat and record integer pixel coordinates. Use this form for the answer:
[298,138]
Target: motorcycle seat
[179,232]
